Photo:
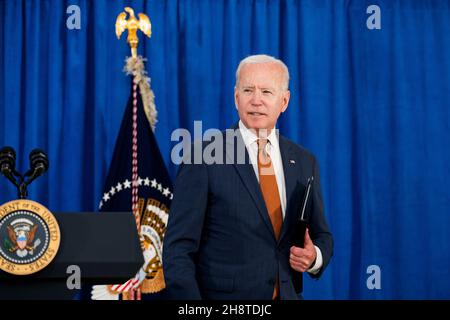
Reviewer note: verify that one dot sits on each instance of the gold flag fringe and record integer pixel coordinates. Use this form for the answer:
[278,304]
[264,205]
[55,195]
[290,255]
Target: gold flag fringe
[135,67]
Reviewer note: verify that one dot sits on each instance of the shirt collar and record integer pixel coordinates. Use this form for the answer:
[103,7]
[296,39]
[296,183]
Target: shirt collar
[250,137]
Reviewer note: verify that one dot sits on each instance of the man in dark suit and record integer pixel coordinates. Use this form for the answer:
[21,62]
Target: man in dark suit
[232,223]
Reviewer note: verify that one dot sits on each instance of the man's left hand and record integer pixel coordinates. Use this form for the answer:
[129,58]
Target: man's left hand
[302,259]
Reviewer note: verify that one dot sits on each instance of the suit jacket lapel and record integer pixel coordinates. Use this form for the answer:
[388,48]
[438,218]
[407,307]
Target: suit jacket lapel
[290,170]
[248,177]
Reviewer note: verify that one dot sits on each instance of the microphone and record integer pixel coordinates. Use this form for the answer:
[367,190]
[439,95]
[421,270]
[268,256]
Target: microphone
[8,164]
[38,165]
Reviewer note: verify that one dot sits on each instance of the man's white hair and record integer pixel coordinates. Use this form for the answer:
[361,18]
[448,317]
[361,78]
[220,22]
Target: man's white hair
[263,58]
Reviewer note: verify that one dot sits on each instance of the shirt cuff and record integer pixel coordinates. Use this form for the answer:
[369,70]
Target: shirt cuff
[319,262]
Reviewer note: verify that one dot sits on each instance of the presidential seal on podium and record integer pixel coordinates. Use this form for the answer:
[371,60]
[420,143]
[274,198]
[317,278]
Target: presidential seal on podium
[29,237]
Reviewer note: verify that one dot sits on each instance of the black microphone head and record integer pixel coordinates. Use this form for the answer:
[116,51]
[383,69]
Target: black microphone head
[7,159]
[39,161]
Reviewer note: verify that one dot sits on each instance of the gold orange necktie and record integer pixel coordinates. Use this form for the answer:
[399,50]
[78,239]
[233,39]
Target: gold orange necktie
[269,187]
[271,195]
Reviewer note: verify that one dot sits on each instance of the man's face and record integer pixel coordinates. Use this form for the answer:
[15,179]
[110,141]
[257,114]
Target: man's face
[259,95]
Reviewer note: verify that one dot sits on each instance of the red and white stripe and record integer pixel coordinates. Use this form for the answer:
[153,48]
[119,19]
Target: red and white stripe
[126,286]
[129,285]
[134,186]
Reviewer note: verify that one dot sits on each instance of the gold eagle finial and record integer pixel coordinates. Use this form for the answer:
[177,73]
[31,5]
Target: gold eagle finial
[133,24]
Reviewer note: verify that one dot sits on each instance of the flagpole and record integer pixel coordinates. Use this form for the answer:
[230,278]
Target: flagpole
[133,25]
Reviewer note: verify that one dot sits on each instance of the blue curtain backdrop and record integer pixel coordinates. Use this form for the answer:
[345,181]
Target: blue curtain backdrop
[373,105]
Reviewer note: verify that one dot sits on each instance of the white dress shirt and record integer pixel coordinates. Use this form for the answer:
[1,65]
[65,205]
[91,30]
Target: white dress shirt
[273,149]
